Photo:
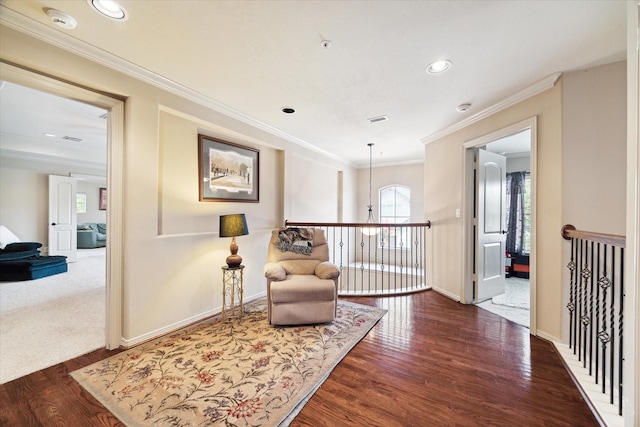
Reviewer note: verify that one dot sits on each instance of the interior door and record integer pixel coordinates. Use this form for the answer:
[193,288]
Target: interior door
[490,227]
[62,216]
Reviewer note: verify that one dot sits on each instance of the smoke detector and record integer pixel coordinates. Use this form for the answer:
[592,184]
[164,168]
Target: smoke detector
[61,19]
[462,108]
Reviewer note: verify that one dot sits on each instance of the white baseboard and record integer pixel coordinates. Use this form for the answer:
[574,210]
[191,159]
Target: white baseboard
[593,392]
[447,294]
[183,323]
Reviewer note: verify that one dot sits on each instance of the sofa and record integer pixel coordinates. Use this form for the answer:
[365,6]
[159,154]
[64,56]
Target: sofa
[92,235]
[22,261]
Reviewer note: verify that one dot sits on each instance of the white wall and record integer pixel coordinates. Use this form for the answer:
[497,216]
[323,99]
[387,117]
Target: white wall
[519,164]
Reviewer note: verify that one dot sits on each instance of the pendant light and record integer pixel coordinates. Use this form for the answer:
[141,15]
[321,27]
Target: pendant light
[370,231]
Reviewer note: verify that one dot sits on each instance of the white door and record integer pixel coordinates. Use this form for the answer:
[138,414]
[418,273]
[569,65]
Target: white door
[490,230]
[62,216]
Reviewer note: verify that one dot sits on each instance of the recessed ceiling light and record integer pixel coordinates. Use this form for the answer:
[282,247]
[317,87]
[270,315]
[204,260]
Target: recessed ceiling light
[110,9]
[288,110]
[439,66]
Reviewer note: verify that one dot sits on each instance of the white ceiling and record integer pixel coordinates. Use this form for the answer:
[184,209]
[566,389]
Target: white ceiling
[254,57]
[36,126]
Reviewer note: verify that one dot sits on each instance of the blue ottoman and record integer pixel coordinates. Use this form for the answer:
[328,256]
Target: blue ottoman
[33,267]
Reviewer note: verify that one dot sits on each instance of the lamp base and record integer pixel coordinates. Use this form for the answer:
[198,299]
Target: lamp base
[234,261]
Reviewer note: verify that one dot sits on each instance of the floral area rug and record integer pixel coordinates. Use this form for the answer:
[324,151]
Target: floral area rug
[235,372]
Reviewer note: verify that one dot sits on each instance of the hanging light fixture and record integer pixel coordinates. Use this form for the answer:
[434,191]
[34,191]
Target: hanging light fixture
[370,231]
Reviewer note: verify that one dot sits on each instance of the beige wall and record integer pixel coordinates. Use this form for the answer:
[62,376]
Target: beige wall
[580,179]
[444,160]
[172,253]
[594,148]
[93,214]
[28,217]
[410,175]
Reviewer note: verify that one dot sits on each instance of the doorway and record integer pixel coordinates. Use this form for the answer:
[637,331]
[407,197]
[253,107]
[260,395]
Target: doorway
[517,143]
[115,164]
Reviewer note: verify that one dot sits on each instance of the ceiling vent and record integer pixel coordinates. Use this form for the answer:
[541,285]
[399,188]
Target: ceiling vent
[378,119]
[72,138]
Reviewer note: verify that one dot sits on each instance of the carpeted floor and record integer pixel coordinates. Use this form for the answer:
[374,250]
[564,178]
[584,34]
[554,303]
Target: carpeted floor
[513,304]
[235,372]
[56,318]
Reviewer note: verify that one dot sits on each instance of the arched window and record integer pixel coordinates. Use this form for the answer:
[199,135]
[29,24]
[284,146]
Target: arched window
[395,208]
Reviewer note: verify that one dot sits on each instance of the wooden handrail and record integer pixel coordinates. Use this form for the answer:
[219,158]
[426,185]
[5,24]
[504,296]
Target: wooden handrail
[354,224]
[569,232]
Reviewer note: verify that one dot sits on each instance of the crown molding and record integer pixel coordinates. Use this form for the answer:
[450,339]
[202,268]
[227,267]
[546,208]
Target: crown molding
[389,164]
[536,88]
[35,29]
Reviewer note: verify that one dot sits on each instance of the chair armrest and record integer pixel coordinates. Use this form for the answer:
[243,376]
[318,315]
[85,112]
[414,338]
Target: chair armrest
[327,270]
[274,271]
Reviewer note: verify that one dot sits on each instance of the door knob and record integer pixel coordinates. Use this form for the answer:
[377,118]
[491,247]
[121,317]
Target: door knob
[53,223]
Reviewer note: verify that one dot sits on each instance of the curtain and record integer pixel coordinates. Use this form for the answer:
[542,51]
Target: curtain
[515,211]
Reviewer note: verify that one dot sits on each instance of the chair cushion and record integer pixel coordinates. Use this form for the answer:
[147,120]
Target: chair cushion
[300,266]
[299,288]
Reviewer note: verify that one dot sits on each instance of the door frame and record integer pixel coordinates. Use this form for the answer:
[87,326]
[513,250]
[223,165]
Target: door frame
[115,196]
[468,202]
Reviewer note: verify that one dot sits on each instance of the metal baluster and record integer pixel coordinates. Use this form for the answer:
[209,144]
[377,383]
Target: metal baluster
[584,318]
[375,262]
[572,301]
[382,259]
[395,257]
[620,330]
[597,327]
[612,325]
[604,283]
[579,280]
[591,312]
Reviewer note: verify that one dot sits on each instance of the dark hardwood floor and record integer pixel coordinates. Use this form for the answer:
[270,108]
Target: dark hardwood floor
[429,362]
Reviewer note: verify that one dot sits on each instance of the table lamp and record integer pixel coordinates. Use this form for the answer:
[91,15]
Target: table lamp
[232,226]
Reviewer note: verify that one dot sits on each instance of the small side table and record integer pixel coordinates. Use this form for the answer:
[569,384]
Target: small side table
[232,289]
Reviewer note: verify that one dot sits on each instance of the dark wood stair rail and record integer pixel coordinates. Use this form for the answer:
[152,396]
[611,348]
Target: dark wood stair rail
[569,232]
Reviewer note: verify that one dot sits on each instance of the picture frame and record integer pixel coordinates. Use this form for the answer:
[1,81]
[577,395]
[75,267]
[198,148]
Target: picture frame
[227,172]
[102,199]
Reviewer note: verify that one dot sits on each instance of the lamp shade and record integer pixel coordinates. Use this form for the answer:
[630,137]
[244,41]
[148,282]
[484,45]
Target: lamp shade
[233,225]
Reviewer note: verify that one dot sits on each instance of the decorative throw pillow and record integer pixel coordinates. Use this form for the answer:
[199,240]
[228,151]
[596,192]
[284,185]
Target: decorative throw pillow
[22,246]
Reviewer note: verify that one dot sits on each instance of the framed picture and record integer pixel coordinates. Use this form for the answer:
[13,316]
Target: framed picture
[102,201]
[227,172]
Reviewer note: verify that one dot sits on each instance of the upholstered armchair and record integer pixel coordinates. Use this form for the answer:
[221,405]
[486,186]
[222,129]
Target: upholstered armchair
[302,285]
